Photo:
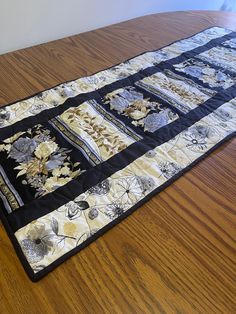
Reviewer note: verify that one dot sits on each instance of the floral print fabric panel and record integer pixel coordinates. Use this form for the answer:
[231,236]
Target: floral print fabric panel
[205,73]
[149,115]
[37,163]
[221,56]
[49,237]
[180,92]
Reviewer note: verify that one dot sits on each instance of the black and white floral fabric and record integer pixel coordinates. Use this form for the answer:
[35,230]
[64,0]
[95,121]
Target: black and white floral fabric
[76,159]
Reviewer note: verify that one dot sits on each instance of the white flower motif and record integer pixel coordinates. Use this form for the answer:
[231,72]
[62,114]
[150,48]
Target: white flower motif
[38,242]
[197,138]
[128,190]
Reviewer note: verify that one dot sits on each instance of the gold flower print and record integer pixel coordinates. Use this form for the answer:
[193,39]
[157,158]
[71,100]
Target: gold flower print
[150,115]
[41,163]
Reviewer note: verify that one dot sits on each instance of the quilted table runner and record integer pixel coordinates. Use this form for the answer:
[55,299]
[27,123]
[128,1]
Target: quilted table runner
[78,158]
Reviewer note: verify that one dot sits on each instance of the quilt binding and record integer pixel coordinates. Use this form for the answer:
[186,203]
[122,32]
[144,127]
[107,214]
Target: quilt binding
[39,275]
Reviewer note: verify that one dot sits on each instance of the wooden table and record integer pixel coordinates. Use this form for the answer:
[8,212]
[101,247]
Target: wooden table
[175,254]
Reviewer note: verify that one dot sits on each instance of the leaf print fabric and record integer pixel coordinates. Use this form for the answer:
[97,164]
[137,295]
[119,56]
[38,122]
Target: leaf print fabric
[96,130]
[181,93]
[77,159]
[220,56]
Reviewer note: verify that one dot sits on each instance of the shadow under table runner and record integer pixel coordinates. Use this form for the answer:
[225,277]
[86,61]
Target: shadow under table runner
[78,158]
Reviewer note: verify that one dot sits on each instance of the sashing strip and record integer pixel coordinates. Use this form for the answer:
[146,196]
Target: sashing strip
[82,156]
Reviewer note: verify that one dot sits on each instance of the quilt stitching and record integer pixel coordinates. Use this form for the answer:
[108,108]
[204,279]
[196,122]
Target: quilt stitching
[91,151]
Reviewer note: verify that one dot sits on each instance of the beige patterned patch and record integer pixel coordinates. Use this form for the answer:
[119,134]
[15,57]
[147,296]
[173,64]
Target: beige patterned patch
[49,237]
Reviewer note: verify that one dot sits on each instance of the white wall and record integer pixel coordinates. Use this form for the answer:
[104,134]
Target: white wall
[28,22]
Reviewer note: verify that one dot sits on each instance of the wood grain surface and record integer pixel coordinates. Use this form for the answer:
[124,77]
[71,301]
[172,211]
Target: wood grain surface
[175,254]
